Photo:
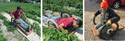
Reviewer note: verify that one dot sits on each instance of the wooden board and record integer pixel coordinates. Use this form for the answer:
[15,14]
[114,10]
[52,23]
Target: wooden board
[24,30]
[115,26]
[95,31]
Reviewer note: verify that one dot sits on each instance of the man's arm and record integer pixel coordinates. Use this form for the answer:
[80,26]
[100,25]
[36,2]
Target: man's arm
[12,15]
[115,18]
[61,26]
[74,30]
[98,12]
[24,15]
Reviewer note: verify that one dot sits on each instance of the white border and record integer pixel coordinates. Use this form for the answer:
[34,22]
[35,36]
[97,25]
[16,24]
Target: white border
[41,20]
[83,18]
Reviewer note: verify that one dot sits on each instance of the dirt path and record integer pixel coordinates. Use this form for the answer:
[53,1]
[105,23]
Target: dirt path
[91,6]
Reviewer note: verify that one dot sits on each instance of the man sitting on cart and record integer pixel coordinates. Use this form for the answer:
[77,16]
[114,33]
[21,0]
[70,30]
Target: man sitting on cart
[19,21]
[108,16]
[64,23]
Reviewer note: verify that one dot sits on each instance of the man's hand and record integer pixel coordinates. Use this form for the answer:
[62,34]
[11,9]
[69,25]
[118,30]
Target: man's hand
[13,17]
[25,16]
[70,34]
[108,23]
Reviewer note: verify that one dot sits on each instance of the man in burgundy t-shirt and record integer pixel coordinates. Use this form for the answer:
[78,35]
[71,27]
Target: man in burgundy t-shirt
[64,23]
[18,20]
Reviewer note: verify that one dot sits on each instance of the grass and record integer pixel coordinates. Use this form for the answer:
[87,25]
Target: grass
[13,5]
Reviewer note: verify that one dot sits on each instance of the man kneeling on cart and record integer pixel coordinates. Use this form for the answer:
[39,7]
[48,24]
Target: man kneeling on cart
[19,21]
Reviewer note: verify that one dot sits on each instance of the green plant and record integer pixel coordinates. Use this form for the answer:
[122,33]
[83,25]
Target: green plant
[2,38]
[26,39]
[9,26]
[37,28]
[60,9]
[53,35]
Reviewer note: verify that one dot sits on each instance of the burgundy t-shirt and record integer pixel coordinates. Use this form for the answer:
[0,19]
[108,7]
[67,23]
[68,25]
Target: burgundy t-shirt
[17,14]
[66,21]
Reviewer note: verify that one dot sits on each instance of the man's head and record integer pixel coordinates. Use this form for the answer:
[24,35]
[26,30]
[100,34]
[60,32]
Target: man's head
[104,6]
[18,8]
[77,23]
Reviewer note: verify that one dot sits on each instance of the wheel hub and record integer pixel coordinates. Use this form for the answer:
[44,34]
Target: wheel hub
[109,31]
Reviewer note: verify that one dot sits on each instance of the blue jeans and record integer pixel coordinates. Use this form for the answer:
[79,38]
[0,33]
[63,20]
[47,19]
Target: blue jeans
[98,25]
[23,24]
[50,16]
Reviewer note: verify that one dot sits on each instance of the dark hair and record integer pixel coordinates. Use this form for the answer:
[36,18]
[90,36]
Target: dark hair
[79,22]
[18,7]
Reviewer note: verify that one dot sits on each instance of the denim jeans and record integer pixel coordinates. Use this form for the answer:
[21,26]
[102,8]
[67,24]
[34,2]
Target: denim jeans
[50,16]
[23,24]
[98,25]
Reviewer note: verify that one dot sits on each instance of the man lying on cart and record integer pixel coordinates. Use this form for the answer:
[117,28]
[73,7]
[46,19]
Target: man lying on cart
[64,23]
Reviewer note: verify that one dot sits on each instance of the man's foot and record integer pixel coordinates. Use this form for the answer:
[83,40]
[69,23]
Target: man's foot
[29,28]
[32,27]
[44,13]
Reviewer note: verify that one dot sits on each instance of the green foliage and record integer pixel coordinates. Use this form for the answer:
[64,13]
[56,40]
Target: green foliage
[9,26]
[29,12]
[2,38]
[53,35]
[2,17]
[60,9]
[71,3]
[26,39]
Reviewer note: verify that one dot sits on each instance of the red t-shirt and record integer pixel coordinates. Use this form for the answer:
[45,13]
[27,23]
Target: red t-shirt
[17,14]
[66,21]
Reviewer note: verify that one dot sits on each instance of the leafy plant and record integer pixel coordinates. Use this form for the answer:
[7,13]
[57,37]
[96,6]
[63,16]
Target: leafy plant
[53,35]
[37,28]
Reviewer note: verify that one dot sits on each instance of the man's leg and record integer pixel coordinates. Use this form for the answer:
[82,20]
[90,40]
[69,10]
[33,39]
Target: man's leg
[98,26]
[25,24]
[45,19]
[52,17]
[95,29]
[21,24]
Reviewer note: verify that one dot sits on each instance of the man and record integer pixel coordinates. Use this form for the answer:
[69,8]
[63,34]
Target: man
[64,23]
[19,21]
[108,16]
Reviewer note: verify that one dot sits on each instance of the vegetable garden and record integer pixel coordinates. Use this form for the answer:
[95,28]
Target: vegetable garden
[32,11]
[58,6]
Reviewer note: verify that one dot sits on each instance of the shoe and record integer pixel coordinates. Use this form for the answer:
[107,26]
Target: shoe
[29,28]
[33,26]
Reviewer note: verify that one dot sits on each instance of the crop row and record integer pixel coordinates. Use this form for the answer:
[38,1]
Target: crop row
[2,38]
[7,23]
[32,16]
[60,9]
[70,3]
[53,35]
